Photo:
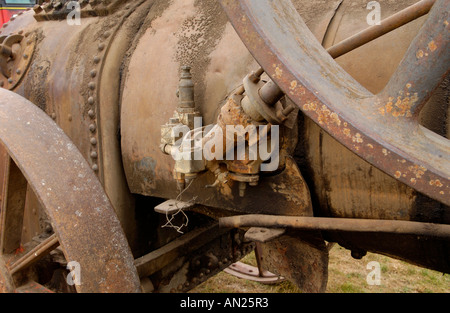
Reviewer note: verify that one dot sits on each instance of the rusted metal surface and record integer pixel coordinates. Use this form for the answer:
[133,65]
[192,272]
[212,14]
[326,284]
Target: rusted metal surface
[57,10]
[339,224]
[14,64]
[83,219]
[284,46]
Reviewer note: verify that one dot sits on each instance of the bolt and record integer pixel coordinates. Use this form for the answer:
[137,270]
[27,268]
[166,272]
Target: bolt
[288,110]
[48,228]
[358,254]
[242,187]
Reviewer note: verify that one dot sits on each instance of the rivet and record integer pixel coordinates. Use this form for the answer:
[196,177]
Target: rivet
[95,168]
[106,35]
[94,155]
[69,117]
[96,59]
[10,80]
[25,56]
[1,83]
[54,116]
[101,46]
[18,71]
[91,100]
[91,85]
[92,127]
[91,113]
[93,73]
[93,141]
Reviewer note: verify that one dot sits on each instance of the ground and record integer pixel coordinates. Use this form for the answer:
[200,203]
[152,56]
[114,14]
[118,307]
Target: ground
[346,275]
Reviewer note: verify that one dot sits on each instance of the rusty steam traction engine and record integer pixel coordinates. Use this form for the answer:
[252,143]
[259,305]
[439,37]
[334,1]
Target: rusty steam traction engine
[94,111]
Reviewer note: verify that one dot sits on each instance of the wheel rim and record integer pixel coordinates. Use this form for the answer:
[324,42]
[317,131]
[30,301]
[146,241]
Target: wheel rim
[382,129]
[35,151]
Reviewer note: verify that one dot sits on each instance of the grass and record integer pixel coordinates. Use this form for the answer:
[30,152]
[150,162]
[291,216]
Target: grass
[346,275]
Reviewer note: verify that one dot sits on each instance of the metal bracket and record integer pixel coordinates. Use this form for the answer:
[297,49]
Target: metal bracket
[172,206]
[260,234]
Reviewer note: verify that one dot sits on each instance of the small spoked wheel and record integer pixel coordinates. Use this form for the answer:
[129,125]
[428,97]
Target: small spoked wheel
[58,230]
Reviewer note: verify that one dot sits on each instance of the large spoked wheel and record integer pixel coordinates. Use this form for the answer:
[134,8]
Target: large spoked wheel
[382,129]
[79,245]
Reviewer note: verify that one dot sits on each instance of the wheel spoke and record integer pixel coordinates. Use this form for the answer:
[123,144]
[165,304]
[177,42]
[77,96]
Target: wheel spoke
[13,192]
[391,23]
[35,254]
[422,69]
[33,287]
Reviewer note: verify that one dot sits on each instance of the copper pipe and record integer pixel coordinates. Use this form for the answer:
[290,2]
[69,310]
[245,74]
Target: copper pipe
[391,23]
[338,224]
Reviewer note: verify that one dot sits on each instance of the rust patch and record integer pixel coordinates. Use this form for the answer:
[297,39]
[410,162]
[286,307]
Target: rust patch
[436,183]
[420,54]
[432,46]
[402,107]
[417,170]
[357,138]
